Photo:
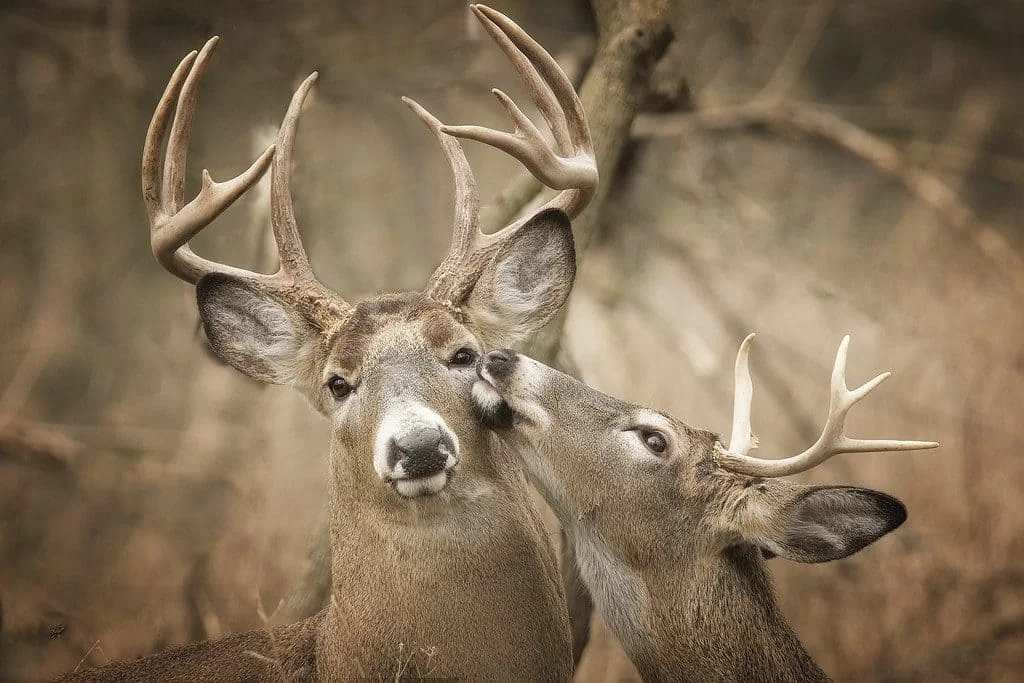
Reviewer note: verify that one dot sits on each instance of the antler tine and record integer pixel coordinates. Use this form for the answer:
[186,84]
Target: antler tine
[832,440]
[172,225]
[742,439]
[465,233]
[539,73]
[573,168]
[151,191]
[292,255]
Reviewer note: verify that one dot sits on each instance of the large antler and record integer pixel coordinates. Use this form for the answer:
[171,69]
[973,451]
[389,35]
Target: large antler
[173,223]
[832,441]
[569,166]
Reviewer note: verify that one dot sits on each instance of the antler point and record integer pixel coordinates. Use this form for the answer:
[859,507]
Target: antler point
[210,44]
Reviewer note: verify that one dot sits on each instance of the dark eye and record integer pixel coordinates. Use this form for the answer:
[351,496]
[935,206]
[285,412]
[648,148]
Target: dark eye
[463,357]
[654,440]
[339,386]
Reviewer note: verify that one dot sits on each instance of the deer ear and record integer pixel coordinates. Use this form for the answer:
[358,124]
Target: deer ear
[252,331]
[823,523]
[526,283]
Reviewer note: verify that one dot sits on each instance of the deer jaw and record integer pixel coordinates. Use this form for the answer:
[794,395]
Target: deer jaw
[643,496]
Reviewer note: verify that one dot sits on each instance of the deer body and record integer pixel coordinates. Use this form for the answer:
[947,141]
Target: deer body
[669,540]
[286,653]
[437,580]
[440,564]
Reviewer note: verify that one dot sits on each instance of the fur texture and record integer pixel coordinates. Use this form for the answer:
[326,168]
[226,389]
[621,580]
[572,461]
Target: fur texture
[669,545]
[462,583]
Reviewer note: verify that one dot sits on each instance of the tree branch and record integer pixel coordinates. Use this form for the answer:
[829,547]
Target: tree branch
[807,119]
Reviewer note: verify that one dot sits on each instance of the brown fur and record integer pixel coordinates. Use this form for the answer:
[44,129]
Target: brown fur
[671,545]
[468,573]
[463,583]
[238,658]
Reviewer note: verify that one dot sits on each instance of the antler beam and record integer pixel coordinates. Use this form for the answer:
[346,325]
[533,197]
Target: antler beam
[569,166]
[832,440]
[173,223]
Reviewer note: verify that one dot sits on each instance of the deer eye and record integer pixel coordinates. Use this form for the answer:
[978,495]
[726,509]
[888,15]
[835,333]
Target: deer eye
[654,440]
[463,357]
[339,387]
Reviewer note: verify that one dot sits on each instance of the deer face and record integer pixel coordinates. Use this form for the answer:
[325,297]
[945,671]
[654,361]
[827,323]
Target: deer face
[651,487]
[395,373]
[406,366]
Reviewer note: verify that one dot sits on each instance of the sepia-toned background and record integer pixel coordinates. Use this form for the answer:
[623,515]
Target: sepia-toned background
[807,169]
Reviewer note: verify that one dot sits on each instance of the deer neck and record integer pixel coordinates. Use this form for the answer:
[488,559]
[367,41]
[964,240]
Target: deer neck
[462,584]
[680,620]
[720,617]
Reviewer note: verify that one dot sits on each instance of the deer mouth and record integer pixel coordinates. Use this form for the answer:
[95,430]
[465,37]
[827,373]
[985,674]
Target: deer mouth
[423,472]
[429,485]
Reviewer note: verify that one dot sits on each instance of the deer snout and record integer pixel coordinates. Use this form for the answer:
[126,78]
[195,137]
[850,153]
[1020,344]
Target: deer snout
[422,452]
[415,452]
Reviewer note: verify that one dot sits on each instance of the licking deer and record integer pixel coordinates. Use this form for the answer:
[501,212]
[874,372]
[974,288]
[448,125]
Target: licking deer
[437,551]
[671,529]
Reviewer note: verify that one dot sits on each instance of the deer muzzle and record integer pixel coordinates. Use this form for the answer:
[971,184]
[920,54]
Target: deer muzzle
[416,452]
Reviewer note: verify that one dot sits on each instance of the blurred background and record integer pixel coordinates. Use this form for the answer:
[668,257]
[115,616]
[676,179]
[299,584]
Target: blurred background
[806,169]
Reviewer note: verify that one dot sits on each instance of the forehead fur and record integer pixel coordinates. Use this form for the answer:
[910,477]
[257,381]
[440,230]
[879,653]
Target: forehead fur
[371,316]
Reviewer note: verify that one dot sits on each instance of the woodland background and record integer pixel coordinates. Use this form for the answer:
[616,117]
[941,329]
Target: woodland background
[807,169]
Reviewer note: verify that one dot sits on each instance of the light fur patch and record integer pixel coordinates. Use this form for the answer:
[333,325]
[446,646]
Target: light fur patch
[620,594]
[618,591]
[400,420]
[486,397]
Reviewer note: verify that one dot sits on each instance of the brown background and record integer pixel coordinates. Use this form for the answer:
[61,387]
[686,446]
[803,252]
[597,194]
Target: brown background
[147,492]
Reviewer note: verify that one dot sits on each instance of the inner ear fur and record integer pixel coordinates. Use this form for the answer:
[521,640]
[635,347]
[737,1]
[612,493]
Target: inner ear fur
[527,281]
[821,523]
[255,333]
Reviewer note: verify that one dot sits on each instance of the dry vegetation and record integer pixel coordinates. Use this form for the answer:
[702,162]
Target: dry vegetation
[852,166]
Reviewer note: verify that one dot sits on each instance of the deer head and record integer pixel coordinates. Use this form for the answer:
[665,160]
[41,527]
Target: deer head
[392,372]
[670,526]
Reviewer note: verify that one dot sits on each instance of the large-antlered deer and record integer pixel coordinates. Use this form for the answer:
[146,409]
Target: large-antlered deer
[441,565]
[671,528]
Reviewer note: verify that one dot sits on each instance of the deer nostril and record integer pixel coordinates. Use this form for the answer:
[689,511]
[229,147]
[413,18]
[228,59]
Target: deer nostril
[498,356]
[499,363]
[424,440]
[421,453]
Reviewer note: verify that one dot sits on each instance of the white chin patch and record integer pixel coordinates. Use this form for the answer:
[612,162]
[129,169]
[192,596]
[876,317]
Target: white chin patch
[425,486]
[486,396]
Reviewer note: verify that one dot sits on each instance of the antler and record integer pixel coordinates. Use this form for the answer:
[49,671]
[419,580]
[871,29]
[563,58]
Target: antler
[569,166]
[173,223]
[832,441]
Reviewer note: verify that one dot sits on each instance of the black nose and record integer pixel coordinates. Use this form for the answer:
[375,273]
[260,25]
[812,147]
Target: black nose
[421,453]
[500,362]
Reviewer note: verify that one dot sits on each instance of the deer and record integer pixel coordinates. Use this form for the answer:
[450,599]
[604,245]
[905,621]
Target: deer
[672,529]
[440,564]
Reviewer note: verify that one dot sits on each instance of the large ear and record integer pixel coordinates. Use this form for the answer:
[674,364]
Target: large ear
[254,332]
[526,283]
[823,523]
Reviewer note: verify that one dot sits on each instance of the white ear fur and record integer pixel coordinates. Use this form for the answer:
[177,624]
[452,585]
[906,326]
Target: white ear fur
[255,333]
[526,283]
